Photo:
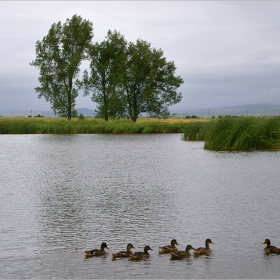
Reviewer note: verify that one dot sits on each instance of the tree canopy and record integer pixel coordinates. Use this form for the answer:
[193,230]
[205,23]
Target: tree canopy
[124,78]
[58,57]
[106,75]
[127,79]
[150,85]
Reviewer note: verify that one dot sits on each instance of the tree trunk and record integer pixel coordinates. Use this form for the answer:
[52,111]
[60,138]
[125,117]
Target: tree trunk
[134,109]
[69,107]
[106,118]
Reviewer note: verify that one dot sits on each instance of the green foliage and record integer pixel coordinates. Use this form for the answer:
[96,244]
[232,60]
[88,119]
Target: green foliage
[128,79]
[16,126]
[125,79]
[106,75]
[58,57]
[236,133]
[195,131]
[87,126]
[150,85]
[81,117]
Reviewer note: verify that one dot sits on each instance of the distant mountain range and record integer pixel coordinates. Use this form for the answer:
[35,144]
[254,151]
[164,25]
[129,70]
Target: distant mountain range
[242,110]
[86,112]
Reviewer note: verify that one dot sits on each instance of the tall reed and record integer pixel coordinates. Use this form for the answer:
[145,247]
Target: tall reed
[89,125]
[237,133]
[195,131]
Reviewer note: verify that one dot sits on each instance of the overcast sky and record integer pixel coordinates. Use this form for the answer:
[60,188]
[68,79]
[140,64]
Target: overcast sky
[227,52]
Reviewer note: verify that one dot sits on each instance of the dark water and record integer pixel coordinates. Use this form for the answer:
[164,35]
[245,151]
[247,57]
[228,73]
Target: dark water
[61,194]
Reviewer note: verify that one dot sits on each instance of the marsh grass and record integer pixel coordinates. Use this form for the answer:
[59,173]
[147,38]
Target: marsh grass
[223,134]
[195,131]
[237,133]
[21,125]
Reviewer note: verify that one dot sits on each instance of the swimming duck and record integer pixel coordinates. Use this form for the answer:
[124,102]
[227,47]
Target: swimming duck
[141,255]
[168,248]
[204,250]
[96,252]
[269,248]
[179,255]
[123,254]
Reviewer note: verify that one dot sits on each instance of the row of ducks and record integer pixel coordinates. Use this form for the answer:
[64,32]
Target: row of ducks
[167,249]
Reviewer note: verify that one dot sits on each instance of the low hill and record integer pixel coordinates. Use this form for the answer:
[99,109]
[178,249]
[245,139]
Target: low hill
[242,110]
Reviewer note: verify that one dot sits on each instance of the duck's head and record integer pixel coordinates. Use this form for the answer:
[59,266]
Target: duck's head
[103,246]
[147,248]
[267,242]
[189,247]
[129,246]
[208,241]
[174,242]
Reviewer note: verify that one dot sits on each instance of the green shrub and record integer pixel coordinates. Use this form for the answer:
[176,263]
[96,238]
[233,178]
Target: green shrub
[81,117]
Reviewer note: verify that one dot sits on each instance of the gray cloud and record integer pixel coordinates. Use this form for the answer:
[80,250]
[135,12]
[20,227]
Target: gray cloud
[231,85]
[227,52]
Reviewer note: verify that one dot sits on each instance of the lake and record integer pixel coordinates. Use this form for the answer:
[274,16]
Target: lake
[62,194]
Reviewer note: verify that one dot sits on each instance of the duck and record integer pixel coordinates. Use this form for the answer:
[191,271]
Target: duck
[168,248]
[123,254]
[179,255]
[269,248]
[96,252]
[204,250]
[141,255]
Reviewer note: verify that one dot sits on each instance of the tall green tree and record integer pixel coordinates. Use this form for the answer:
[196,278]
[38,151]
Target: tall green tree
[106,75]
[58,57]
[150,85]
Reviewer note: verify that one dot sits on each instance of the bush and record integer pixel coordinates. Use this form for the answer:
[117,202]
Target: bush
[81,117]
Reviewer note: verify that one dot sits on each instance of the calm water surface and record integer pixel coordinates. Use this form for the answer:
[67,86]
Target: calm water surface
[61,194]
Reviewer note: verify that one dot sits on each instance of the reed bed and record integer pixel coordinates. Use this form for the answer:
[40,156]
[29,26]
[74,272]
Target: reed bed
[23,125]
[222,134]
[237,133]
[195,131]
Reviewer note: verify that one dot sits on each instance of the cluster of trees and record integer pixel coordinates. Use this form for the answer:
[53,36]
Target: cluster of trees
[125,79]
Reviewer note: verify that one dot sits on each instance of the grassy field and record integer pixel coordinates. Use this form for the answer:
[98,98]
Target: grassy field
[237,133]
[44,125]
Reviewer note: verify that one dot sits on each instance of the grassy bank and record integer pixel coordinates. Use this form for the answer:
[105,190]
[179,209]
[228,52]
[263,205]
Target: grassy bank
[23,125]
[222,134]
[237,133]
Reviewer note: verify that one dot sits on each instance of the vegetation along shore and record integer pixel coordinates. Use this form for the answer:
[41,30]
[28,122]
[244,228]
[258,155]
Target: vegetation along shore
[42,125]
[219,134]
[236,133]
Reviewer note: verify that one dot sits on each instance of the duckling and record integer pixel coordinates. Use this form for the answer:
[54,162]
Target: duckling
[269,248]
[204,250]
[123,254]
[96,252]
[179,255]
[141,255]
[168,248]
